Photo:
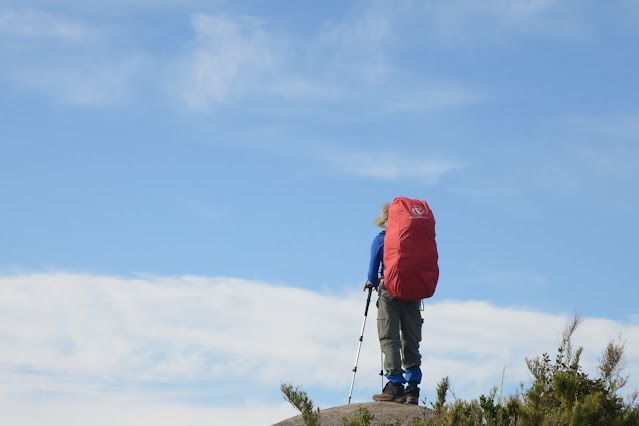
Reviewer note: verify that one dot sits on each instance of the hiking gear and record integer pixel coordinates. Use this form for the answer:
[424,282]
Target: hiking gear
[391,393]
[377,255]
[369,285]
[383,217]
[411,395]
[410,251]
[395,316]
[413,376]
[397,379]
[361,339]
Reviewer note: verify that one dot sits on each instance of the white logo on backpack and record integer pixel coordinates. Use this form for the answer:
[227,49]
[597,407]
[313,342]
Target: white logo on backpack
[418,210]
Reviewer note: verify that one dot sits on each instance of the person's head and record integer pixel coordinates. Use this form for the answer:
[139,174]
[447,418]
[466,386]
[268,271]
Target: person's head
[383,217]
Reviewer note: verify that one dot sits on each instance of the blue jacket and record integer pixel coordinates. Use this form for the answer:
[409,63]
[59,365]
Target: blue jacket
[377,258]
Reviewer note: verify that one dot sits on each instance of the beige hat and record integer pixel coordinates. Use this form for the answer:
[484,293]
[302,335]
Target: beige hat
[383,217]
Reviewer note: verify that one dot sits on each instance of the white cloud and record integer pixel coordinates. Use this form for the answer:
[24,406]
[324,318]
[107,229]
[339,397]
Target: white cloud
[467,21]
[347,63]
[352,60]
[145,330]
[22,25]
[356,48]
[71,61]
[385,165]
[436,97]
[84,79]
[235,57]
[131,409]
[196,348]
[229,58]
[594,159]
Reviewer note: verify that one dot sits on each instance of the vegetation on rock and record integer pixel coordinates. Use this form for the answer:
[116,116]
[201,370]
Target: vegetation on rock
[561,394]
[300,400]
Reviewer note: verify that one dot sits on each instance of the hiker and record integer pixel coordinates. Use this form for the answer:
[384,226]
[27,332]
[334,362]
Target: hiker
[399,327]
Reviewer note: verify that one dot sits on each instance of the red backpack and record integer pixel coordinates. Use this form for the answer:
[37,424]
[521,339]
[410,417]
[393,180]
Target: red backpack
[410,250]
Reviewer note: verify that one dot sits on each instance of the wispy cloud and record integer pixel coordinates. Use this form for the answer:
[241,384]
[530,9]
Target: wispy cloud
[619,128]
[348,61]
[434,98]
[69,60]
[83,80]
[229,57]
[585,158]
[385,164]
[356,47]
[594,156]
[465,21]
[238,57]
[199,347]
[22,25]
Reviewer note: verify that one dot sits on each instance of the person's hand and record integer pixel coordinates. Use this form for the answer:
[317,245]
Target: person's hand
[368,285]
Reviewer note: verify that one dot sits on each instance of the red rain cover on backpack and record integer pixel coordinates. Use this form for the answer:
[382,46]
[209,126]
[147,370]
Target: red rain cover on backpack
[410,250]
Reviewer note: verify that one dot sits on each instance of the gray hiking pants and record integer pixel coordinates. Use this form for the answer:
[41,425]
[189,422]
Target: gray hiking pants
[399,326]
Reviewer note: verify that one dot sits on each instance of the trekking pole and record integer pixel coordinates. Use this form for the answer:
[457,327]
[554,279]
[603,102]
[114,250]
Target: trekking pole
[361,338]
[381,353]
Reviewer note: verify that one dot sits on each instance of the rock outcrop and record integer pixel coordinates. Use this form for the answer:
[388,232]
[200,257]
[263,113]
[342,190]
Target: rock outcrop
[384,412]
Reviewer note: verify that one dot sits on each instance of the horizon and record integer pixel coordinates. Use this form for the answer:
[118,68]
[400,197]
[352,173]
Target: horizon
[188,189]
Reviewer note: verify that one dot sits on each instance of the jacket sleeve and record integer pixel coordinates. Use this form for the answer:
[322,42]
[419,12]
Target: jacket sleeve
[377,256]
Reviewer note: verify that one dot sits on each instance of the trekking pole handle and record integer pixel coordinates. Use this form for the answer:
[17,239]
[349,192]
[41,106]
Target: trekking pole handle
[368,300]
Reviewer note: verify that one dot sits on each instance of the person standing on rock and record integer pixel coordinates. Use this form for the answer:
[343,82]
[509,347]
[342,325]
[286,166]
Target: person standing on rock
[399,322]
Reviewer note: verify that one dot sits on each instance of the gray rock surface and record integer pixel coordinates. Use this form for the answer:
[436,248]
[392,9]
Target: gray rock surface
[384,412]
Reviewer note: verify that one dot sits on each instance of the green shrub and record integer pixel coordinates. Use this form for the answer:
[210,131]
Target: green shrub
[300,400]
[561,394]
[365,418]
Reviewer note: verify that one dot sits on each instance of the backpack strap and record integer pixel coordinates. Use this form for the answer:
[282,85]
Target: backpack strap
[381,271]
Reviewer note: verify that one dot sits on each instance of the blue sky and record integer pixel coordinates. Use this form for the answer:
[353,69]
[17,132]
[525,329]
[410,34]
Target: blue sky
[154,155]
